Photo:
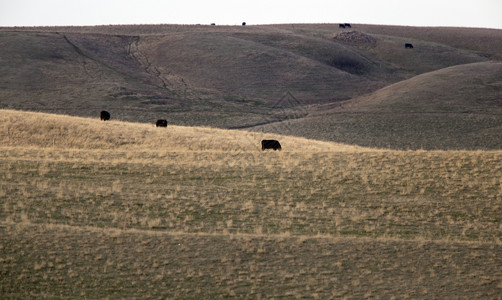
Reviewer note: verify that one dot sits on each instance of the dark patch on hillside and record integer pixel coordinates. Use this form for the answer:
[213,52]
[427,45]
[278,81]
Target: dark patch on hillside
[348,64]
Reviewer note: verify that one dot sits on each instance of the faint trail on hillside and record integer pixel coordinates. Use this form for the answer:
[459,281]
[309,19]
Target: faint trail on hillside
[253,125]
[333,109]
[139,56]
[288,106]
[81,53]
[98,62]
[88,70]
[266,123]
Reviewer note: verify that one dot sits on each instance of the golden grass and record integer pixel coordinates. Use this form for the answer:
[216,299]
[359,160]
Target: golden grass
[112,209]
[66,132]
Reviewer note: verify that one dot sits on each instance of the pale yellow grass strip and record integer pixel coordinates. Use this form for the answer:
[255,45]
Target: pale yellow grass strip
[26,129]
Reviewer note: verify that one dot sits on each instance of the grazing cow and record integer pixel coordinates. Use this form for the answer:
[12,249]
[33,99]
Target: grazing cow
[341,26]
[270,144]
[347,25]
[213,24]
[243,23]
[408,45]
[105,115]
[161,123]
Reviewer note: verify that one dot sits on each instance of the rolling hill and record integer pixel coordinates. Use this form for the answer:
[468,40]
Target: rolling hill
[458,107]
[247,76]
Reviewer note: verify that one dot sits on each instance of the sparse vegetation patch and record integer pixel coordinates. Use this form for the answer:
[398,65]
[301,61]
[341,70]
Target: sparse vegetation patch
[355,37]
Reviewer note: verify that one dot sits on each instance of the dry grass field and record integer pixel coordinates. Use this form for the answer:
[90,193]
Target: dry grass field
[93,209]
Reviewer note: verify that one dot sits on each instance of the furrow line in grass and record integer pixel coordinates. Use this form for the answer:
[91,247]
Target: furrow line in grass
[116,231]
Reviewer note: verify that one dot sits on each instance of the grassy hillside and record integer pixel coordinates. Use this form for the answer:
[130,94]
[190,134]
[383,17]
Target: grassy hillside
[233,76]
[471,88]
[26,129]
[113,209]
[482,41]
[248,68]
[453,108]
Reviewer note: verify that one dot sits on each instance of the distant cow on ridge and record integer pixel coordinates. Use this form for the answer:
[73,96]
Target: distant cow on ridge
[270,144]
[408,45]
[347,25]
[105,115]
[341,25]
[161,123]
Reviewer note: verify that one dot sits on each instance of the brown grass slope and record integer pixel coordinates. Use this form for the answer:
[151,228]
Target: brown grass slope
[93,209]
[483,41]
[454,108]
[72,73]
[221,76]
[250,69]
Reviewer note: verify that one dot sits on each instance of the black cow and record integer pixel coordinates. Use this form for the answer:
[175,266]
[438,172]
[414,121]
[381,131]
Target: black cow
[341,25]
[243,23]
[408,45]
[105,115]
[161,123]
[347,25]
[270,144]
